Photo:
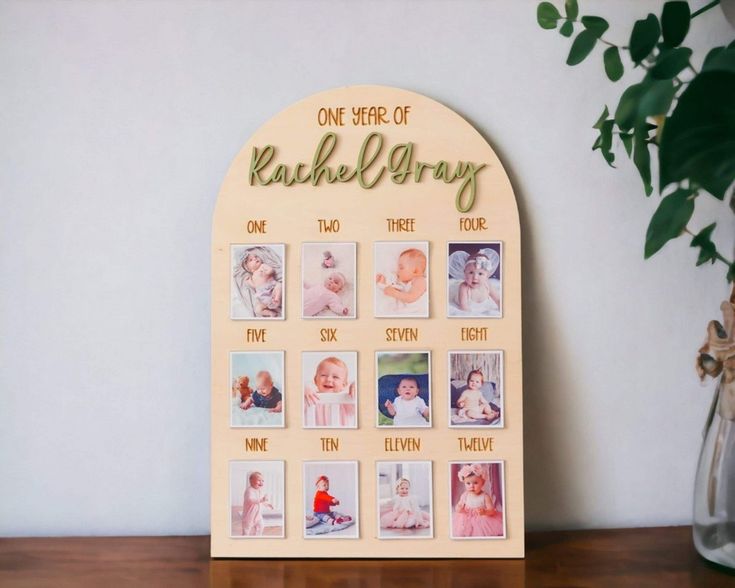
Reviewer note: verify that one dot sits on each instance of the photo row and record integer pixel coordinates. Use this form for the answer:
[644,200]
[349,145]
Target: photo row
[402,389]
[400,280]
[330,500]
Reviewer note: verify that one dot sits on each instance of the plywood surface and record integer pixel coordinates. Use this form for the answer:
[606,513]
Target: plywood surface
[292,214]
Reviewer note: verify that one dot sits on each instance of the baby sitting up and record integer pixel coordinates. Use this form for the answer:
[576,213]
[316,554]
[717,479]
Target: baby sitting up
[325,296]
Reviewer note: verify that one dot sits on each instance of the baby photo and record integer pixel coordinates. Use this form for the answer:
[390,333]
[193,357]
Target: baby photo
[257,389]
[331,500]
[404,500]
[402,279]
[329,286]
[476,389]
[256,499]
[474,285]
[476,494]
[330,389]
[403,389]
[257,288]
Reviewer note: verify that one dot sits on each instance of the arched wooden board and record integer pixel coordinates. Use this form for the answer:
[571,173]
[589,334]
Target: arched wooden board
[280,219]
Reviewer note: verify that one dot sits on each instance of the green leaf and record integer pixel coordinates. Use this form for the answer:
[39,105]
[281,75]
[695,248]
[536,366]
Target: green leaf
[547,15]
[626,113]
[595,24]
[606,142]
[714,52]
[707,249]
[567,29]
[703,236]
[669,220]
[571,9]
[627,142]
[642,158]
[671,63]
[731,273]
[675,22]
[581,47]
[643,38]
[656,98]
[639,101]
[707,253]
[723,60]
[613,65]
[602,119]
[698,141]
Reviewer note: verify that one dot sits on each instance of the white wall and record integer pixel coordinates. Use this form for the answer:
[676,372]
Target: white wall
[118,121]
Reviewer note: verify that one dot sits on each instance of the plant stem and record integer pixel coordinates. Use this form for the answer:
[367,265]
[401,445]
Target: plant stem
[718,255]
[600,38]
[612,44]
[705,8]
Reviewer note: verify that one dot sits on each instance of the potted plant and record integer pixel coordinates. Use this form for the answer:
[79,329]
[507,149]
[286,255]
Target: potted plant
[683,117]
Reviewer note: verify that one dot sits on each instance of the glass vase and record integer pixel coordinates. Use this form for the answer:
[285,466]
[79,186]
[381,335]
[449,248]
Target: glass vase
[714,489]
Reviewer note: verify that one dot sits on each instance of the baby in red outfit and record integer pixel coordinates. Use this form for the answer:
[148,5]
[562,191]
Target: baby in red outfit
[323,504]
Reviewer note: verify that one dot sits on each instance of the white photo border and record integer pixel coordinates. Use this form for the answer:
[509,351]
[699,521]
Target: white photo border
[283,392]
[502,272]
[327,353]
[408,244]
[230,463]
[451,506]
[501,424]
[304,502]
[282,253]
[376,406]
[431,496]
[353,315]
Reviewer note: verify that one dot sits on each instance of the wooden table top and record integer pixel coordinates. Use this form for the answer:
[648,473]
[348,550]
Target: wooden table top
[622,557]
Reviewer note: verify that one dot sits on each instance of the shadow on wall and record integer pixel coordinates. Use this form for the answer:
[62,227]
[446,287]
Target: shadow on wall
[552,487]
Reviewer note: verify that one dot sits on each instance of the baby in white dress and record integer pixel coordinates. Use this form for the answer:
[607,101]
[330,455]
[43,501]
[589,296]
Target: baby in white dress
[406,513]
[408,409]
[476,294]
[472,289]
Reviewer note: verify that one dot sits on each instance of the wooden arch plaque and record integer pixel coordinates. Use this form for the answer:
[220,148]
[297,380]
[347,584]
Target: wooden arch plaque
[366,337]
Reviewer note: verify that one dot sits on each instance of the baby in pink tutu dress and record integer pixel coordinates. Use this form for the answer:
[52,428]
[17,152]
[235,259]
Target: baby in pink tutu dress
[475,514]
[405,513]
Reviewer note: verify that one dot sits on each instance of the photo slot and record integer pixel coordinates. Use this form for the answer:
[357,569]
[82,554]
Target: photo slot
[403,389]
[404,497]
[257,394]
[330,389]
[476,389]
[474,283]
[257,287]
[329,280]
[257,504]
[401,286]
[331,500]
[476,493]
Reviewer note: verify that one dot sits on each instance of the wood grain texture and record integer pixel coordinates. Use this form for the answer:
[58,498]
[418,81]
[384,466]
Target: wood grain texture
[291,214]
[622,557]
